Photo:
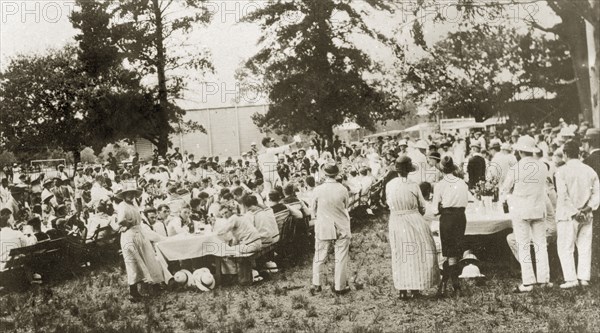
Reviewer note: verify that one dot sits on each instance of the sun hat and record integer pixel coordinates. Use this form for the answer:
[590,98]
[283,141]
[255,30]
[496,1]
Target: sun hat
[475,144]
[402,143]
[184,277]
[48,181]
[204,280]
[46,196]
[271,267]
[128,187]
[592,133]
[526,144]
[331,169]
[434,155]
[470,272]
[421,144]
[468,257]
[255,276]
[61,166]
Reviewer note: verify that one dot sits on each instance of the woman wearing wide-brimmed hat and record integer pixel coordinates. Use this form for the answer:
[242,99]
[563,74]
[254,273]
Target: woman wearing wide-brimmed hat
[450,198]
[414,258]
[140,262]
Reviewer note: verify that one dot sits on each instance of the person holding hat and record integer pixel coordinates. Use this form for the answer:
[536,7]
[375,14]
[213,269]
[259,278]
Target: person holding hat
[527,202]
[414,268]
[592,139]
[578,194]
[140,261]
[476,165]
[450,198]
[332,225]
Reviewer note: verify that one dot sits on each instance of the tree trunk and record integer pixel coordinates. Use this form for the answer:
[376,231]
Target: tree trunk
[163,141]
[573,31]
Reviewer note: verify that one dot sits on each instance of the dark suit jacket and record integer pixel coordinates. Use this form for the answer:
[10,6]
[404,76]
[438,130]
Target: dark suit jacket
[594,162]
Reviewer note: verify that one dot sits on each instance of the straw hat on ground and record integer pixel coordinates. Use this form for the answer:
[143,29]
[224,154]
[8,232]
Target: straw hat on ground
[204,279]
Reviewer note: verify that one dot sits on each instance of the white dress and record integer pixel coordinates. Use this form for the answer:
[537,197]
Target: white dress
[414,256]
[138,254]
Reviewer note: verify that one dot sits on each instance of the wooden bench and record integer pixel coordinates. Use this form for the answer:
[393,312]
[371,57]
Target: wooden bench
[98,249]
[47,256]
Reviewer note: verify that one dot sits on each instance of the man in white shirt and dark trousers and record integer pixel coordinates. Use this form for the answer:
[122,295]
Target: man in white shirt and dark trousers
[527,180]
[450,198]
[332,224]
[578,195]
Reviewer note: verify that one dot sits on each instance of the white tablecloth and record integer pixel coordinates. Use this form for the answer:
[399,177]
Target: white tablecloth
[190,246]
[481,221]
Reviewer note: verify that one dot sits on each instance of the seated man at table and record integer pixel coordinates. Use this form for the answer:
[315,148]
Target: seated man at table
[262,219]
[181,223]
[280,210]
[9,238]
[236,230]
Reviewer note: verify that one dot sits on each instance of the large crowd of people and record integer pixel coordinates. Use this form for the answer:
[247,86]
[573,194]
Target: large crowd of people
[548,177]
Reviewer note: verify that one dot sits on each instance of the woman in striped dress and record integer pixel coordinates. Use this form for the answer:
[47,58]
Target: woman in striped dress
[414,257]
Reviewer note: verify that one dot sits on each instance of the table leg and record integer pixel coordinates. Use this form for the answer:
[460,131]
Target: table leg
[218,264]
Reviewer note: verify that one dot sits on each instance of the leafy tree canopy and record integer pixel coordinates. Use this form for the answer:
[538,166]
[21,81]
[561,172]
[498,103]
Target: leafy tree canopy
[314,74]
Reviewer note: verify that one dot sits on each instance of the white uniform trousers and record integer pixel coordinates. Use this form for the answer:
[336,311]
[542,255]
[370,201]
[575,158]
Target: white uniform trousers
[529,232]
[342,245]
[570,234]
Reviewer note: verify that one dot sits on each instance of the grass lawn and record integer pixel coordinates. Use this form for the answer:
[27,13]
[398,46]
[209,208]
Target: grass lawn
[97,302]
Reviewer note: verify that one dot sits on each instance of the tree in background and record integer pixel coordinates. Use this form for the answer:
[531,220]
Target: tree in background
[476,72]
[121,150]
[88,156]
[315,76]
[150,35]
[571,31]
[49,103]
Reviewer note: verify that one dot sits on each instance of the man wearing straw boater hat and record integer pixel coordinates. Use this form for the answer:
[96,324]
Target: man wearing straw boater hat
[332,224]
[527,204]
[138,254]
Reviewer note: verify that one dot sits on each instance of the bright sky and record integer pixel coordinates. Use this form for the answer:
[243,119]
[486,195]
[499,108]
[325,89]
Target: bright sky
[35,25]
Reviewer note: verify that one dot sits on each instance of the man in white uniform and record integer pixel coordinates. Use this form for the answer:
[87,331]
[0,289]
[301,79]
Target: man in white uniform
[578,194]
[267,162]
[527,180]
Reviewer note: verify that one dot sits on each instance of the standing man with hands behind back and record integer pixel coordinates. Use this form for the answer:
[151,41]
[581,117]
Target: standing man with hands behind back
[527,180]
[332,224]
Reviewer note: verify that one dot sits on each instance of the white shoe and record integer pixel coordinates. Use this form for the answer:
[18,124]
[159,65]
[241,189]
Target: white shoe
[584,283]
[546,285]
[523,288]
[569,284]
